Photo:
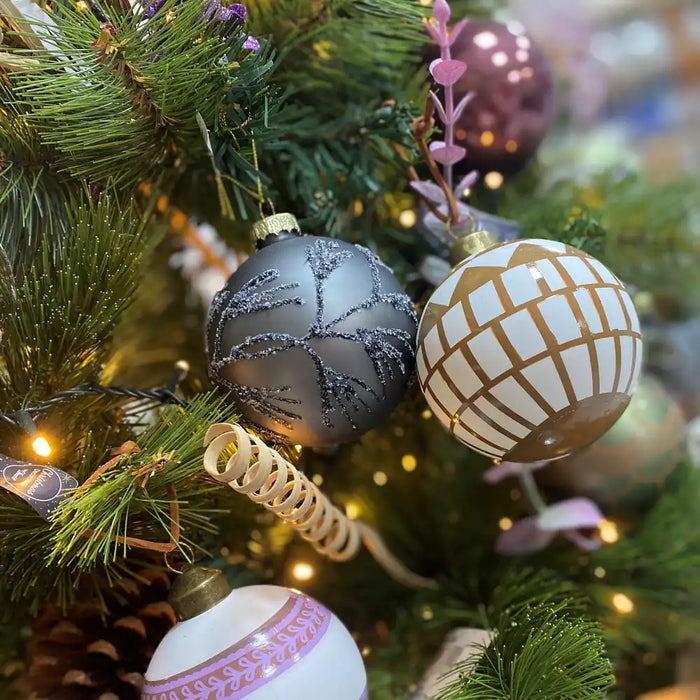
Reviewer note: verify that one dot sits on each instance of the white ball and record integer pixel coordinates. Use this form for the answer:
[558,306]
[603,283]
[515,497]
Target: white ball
[261,643]
[529,350]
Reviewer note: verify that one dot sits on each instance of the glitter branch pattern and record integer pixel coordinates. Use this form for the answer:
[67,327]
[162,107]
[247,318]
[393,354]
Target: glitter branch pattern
[339,391]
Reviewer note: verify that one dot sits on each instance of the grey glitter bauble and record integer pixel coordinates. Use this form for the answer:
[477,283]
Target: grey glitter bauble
[315,338]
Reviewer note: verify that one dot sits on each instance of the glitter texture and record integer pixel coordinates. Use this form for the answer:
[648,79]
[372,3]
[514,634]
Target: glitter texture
[341,394]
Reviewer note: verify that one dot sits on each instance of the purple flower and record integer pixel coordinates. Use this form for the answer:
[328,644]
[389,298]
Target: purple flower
[566,518]
[251,43]
[152,7]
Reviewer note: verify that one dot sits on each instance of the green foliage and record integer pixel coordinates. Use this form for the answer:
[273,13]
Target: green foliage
[59,318]
[119,504]
[658,566]
[331,134]
[649,230]
[152,81]
[545,646]
[33,197]
[124,501]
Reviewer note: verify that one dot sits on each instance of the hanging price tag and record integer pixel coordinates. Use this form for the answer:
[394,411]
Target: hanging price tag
[43,487]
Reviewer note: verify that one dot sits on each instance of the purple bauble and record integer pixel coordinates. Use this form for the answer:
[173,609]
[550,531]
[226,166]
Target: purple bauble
[514,104]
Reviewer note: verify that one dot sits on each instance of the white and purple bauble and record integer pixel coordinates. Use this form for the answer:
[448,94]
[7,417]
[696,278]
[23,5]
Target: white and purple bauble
[257,642]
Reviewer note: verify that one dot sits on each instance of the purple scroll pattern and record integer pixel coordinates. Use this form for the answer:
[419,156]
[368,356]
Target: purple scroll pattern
[255,660]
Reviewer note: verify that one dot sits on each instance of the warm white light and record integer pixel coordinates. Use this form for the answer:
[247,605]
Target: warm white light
[427,613]
[505,524]
[487,138]
[500,58]
[317,479]
[427,414]
[485,40]
[622,603]
[41,446]
[493,180]
[409,463]
[303,571]
[608,531]
[380,478]
[599,572]
[407,218]
[352,510]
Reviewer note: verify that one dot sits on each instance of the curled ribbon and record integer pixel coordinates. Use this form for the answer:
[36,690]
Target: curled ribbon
[262,474]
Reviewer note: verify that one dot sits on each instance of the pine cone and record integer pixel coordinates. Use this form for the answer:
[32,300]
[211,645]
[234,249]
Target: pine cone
[99,651]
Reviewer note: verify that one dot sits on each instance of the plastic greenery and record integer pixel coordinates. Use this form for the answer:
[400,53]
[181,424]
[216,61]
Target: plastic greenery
[545,646]
[106,128]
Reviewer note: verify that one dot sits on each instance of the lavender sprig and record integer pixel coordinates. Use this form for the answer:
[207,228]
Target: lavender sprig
[446,71]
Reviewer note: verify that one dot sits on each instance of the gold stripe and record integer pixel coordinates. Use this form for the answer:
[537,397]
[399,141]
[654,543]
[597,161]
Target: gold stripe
[583,323]
[550,339]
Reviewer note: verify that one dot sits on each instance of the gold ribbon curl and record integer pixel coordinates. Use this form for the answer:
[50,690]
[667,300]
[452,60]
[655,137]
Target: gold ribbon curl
[262,474]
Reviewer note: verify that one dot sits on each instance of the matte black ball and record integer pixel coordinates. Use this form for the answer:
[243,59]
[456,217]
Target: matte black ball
[315,338]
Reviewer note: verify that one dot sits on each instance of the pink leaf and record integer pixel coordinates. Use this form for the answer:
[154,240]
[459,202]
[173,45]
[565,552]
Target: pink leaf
[438,106]
[430,191]
[523,538]
[570,515]
[469,180]
[587,544]
[457,30]
[447,72]
[447,155]
[430,28]
[462,104]
[441,11]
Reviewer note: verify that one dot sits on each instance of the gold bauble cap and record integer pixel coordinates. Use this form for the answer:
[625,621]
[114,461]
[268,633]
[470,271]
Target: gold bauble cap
[472,243]
[273,225]
[197,590]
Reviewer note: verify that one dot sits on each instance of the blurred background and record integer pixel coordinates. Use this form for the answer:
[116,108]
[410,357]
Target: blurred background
[630,74]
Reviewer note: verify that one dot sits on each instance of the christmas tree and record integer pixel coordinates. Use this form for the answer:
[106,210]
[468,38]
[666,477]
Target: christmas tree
[409,434]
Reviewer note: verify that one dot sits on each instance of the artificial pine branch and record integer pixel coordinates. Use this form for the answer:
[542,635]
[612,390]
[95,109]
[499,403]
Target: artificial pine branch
[658,567]
[125,501]
[546,645]
[59,319]
[121,102]
[41,560]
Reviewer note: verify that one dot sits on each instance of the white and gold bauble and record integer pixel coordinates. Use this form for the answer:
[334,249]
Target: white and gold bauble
[257,642]
[529,350]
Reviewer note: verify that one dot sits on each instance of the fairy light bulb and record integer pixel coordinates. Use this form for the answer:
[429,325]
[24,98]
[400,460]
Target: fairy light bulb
[408,218]
[608,531]
[505,524]
[352,510]
[409,463]
[41,446]
[303,571]
[622,603]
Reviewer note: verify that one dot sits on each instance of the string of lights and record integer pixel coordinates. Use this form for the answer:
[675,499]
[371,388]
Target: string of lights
[24,419]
